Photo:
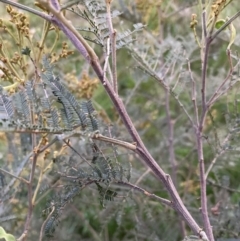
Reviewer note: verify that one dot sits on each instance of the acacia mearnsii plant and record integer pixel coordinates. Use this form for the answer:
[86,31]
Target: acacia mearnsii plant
[119,120]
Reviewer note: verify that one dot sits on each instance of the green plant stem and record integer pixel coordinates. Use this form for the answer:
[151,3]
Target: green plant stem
[38,184]
[46,28]
[55,40]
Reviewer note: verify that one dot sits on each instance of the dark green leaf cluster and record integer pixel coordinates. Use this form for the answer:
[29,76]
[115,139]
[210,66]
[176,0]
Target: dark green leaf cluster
[57,204]
[101,169]
[101,172]
[105,193]
[45,106]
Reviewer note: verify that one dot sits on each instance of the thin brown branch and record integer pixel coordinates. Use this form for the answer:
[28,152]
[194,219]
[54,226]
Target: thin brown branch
[199,128]
[205,51]
[106,63]
[203,208]
[30,182]
[223,150]
[143,191]
[124,144]
[170,124]
[177,201]
[194,95]
[142,176]
[223,187]
[30,203]
[12,175]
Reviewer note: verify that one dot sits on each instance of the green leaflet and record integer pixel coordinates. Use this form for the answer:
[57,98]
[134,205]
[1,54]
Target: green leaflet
[6,236]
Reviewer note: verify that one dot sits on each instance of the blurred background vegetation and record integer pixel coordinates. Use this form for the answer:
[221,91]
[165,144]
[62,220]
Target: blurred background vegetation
[132,216]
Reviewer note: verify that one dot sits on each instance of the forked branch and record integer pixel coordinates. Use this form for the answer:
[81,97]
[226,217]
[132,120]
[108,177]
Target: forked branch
[82,46]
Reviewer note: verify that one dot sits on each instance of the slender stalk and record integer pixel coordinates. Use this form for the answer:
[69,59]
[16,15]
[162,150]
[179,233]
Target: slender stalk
[142,176]
[203,208]
[12,175]
[194,96]
[113,45]
[125,144]
[38,184]
[170,138]
[143,191]
[32,174]
[204,24]
[199,128]
[45,32]
[19,170]
[106,64]
[204,73]
[30,203]
[220,153]
[212,183]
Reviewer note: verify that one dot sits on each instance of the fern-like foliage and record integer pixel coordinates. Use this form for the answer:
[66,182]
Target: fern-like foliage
[95,14]
[45,106]
[102,170]
[158,60]
[105,193]
[75,175]
[6,108]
